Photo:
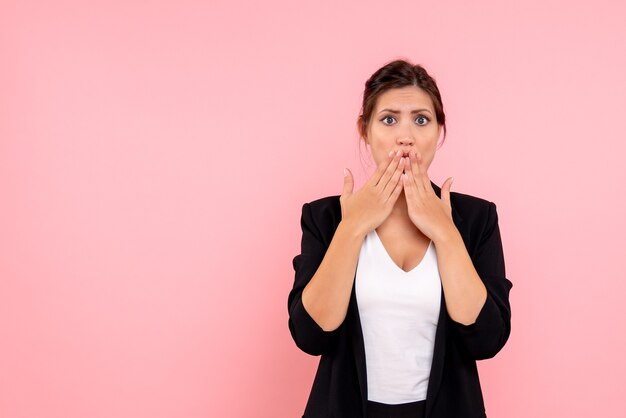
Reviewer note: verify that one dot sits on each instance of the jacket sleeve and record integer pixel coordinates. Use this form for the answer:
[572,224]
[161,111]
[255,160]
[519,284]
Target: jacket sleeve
[485,337]
[306,333]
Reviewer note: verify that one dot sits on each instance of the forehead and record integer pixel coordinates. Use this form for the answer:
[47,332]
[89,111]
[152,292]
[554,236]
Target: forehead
[404,98]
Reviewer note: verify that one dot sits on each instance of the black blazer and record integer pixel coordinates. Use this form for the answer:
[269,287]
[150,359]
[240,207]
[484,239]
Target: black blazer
[339,389]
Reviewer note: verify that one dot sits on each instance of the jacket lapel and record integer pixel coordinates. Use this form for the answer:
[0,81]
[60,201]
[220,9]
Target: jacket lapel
[358,346]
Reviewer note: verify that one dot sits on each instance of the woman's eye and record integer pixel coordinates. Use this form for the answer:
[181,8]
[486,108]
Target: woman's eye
[422,118]
[385,118]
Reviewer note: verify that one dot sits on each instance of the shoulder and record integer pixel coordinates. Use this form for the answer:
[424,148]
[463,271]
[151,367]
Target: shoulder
[326,203]
[474,216]
[470,206]
[324,212]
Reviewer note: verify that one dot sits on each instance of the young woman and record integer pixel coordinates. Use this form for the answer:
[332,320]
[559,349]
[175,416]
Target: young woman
[399,286]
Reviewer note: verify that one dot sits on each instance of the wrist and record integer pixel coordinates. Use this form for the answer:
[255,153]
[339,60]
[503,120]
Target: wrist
[351,229]
[450,235]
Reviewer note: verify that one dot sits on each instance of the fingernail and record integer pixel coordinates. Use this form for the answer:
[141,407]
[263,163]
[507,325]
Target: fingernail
[390,153]
[345,172]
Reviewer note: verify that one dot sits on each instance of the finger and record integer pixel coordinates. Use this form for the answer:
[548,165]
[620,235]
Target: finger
[416,170]
[348,182]
[394,180]
[396,192]
[377,174]
[408,184]
[445,193]
[388,171]
[413,178]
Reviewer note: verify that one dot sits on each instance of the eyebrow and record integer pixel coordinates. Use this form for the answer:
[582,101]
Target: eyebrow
[412,112]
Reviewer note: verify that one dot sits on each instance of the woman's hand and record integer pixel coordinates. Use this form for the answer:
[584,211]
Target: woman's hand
[431,215]
[371,205]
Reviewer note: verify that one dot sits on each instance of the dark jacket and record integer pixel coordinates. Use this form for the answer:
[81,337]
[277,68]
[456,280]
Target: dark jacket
[339,389]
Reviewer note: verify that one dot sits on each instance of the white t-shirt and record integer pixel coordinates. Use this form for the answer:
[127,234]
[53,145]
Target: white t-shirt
[399,312]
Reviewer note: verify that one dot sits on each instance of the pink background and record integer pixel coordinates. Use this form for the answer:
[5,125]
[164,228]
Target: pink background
[154,158]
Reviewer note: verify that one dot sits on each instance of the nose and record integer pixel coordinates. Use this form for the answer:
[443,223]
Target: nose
[405,141]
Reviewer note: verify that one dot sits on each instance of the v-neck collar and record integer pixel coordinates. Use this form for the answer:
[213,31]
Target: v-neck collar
[381,246]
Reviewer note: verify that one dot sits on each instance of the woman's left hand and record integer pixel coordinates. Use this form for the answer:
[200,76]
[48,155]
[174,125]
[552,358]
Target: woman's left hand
[429,213]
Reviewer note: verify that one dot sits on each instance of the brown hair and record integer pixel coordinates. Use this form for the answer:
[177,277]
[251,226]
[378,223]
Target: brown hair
[396,74]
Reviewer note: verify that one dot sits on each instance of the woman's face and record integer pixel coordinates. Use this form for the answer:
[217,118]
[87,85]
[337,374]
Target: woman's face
[404,119]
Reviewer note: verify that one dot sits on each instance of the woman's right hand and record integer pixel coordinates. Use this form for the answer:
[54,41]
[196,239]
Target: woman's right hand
[371,205]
